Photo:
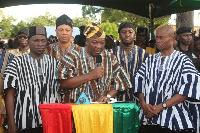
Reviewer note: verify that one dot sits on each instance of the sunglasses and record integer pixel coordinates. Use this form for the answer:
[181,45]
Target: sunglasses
[24,36]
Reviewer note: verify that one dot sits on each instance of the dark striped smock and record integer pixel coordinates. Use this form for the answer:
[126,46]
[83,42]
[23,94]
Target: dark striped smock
[161,81]
[35,83]
[79,62]
[5,58]
[131,62]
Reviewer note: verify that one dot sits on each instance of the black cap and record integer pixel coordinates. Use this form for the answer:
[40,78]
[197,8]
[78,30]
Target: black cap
[63,19]
[184,29]
[23,31]
[37,30]
[126,25]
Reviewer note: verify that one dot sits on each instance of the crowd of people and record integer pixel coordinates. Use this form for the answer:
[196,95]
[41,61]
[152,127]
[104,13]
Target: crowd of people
[162,78]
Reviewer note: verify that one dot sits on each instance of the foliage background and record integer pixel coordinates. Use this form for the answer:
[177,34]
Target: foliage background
[109,21]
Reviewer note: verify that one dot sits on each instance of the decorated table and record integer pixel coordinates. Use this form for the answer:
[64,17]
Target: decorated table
[90,118]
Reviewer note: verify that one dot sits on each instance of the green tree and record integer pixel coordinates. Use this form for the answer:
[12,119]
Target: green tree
[110,29]
[18,27]
[118,16]
[77,22]
[6,25]
[9,30]
[46,20]
[91,12]
[113,15]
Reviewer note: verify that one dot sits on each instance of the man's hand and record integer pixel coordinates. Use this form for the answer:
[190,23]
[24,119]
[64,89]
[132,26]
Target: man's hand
[111,93]
[97,72]
[12,128]
[9,101]
[157,108]
[74,82]
[104,99]
[148,110]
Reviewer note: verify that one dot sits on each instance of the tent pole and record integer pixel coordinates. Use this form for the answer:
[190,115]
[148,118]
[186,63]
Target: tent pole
[152,29]
[151,22]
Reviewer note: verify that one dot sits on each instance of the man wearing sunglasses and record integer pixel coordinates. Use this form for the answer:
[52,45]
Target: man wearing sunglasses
[23,43]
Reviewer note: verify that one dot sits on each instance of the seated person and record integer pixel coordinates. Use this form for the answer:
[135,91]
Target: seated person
[79,71]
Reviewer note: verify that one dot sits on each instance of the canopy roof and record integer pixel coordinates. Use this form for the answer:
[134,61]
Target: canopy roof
[145,8]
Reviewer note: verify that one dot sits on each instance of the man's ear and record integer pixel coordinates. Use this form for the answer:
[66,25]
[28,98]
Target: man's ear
[86,42]
[173,38]
[28,42]
[135,36]
[178,37]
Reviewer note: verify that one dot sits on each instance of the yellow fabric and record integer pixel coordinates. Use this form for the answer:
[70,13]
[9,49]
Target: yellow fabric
[1,115]
[2,100]
[93,30]
[93,118]
[151,51]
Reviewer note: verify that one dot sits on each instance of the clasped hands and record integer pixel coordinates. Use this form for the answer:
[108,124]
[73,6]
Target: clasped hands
[151,110]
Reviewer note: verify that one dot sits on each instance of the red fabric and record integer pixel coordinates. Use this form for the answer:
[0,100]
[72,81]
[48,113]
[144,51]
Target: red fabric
[56,118]
[1,118]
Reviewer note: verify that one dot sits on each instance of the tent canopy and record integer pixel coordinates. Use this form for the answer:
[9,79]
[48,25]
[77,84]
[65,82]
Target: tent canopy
[145,8]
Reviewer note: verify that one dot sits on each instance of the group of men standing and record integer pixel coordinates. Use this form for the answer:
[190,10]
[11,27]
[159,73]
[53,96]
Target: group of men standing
[164,85]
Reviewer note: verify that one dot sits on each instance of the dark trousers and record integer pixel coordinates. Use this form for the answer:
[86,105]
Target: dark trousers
[32,130]
[159,129]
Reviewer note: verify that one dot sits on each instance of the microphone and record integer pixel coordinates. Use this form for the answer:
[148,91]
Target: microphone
[98,60]
[99,63]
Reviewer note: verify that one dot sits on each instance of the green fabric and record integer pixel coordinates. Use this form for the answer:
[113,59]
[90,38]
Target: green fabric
[177,6]
[126,118]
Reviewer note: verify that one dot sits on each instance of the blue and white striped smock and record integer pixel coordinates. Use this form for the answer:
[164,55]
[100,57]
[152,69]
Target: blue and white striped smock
[131,62]
[160,82]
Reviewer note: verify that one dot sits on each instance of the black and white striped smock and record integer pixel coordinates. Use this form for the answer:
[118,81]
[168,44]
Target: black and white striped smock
[35,83]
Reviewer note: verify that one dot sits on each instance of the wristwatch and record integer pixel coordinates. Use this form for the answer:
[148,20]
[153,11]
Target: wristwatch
[164,105]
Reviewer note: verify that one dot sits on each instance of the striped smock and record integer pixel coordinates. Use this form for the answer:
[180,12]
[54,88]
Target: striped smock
[35,83]
[159,81]
[131,62]
[79,62]
[5,58]
[55,51]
